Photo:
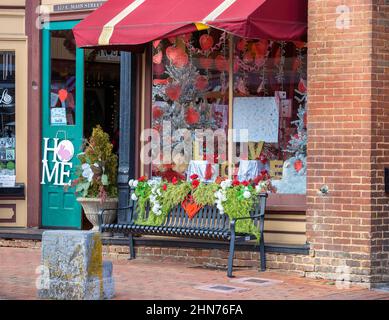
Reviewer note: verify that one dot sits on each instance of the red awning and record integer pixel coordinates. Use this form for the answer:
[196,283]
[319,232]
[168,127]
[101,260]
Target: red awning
[134,22]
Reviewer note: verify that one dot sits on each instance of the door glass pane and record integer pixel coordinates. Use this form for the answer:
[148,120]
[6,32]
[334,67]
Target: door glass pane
[7,119]
[63,78]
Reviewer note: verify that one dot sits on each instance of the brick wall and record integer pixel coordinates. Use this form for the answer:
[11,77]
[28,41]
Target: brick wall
[346,148]
[380,141]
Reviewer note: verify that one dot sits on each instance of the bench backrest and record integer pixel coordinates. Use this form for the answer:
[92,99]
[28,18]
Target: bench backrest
[208,217]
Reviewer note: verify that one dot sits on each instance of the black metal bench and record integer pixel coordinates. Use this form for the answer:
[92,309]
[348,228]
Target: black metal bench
[207,224]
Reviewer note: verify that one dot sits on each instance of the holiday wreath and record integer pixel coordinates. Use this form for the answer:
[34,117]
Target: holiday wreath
[231,197]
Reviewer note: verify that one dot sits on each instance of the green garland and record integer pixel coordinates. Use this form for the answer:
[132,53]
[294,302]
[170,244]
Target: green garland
[170,195]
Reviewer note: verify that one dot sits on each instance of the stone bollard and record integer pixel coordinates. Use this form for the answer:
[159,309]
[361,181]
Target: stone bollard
[73,267]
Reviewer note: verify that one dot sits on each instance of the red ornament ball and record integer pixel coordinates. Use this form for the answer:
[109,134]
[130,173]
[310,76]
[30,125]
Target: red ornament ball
[192,116]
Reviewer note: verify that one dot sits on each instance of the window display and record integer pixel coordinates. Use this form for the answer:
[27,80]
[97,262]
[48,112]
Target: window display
[190,91]
[270,101]
[7,118]
[267,115]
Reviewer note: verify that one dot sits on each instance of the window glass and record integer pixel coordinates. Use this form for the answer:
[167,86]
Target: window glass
[190,93]
[63,78]
[269,101]
[7,118]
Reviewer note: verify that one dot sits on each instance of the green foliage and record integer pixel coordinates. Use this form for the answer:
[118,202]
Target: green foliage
[103,163]
[204,194]
[235,206]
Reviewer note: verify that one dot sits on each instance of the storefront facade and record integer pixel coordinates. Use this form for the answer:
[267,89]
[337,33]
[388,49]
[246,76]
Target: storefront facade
[336,207]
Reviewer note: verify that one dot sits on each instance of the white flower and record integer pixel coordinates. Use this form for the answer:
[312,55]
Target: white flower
[226,184]
[134,197]
[247,195]
[131,183]
[135,183]
[87,172]
[96,165]
[158,213]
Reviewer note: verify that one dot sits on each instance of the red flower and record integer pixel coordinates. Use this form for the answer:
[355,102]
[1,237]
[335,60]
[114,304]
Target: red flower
[195,183]
[164,187]
[174,180]
[194,176]
[246,183]
[142,179]
[235,183]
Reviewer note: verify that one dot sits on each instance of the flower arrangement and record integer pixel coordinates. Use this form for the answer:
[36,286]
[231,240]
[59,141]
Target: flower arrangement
[97,174]
[233,198]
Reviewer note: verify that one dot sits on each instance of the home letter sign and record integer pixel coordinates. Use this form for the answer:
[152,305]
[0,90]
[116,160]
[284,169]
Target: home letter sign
[63,152]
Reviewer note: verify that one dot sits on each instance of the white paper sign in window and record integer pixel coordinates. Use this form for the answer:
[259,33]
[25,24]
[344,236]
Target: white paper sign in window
[258,115]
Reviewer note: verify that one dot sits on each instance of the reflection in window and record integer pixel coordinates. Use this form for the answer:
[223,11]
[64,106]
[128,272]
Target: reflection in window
[63,78]
[7,119]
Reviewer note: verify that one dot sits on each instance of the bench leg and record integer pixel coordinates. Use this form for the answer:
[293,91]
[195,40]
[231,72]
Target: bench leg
[231,256]
[262,253]
[131,247]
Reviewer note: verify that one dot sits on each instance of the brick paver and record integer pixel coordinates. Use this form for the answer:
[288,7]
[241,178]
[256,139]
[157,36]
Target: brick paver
[141,279]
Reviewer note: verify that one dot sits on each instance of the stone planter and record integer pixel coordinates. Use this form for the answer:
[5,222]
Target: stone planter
[92,206]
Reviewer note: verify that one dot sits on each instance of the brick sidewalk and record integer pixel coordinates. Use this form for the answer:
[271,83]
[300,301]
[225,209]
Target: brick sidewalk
[140,279]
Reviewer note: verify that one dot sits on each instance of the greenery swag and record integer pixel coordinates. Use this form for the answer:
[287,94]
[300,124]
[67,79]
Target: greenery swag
[233,198]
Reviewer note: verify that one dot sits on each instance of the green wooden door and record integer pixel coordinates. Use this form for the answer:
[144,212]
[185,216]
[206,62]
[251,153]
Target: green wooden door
[62,119]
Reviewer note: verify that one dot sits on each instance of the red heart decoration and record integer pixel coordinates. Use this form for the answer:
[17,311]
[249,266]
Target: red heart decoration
[221,63]
[201,83]
[206,42]
[260,48]
[302,87]
[241,45]
[156,43]
[171,53]
[298,165]
[173,92]
[191,208]
[181,60]
[157,112]
[205,62]
[192,116]
[63,94]
[299,44]
[157,58]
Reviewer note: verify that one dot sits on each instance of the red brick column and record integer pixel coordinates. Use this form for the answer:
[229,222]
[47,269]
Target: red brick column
[347,124]
[380,142]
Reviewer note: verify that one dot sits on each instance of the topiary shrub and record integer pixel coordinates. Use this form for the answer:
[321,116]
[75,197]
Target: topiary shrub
[97,174]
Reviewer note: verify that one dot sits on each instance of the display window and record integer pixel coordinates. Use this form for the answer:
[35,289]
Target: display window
[225,107]
[7,119]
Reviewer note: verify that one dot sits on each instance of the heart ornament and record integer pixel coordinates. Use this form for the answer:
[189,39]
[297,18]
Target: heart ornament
[298,165]
[191,208]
